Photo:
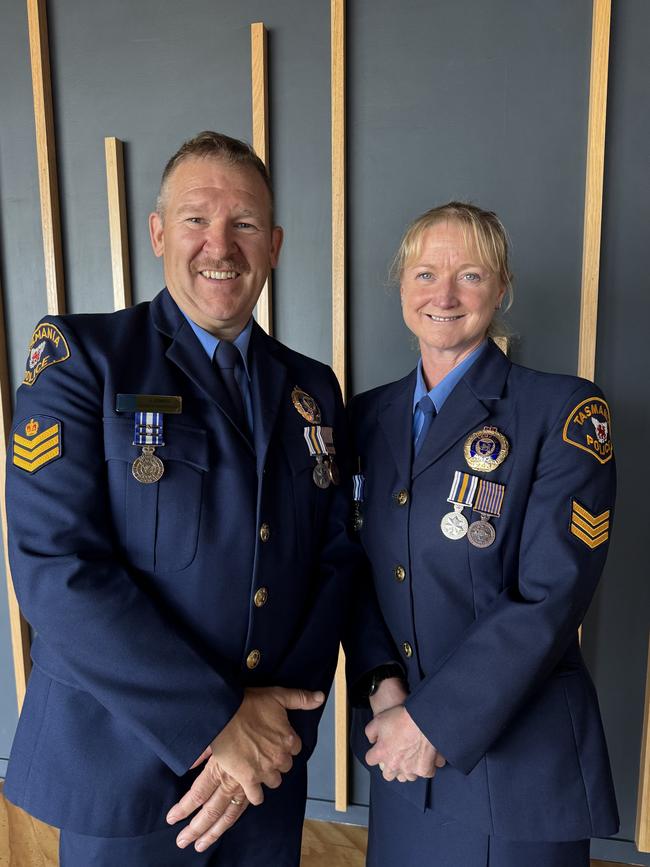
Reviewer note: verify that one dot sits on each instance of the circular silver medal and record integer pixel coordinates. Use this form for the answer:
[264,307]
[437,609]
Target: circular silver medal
[454,525]
[357,519]
[147,468]
[321,474]
[481,534]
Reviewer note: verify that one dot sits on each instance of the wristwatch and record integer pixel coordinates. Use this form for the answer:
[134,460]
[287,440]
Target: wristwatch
[383,672]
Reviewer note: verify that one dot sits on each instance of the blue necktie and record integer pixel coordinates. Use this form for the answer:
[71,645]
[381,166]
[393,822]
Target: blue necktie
[426,406]
[226,358]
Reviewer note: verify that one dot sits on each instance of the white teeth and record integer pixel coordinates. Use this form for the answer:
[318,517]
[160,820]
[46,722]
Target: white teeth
[443,318]
[219,275]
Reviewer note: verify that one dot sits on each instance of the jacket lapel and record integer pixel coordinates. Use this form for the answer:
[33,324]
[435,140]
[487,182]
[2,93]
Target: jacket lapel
[268,385]
[186,353]
[395,417]
[466,408]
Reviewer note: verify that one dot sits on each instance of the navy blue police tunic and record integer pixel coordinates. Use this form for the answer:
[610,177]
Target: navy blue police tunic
[486,548]
[155,604]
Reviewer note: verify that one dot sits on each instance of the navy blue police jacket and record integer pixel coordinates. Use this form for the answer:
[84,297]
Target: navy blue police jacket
[145,598]
[488,636]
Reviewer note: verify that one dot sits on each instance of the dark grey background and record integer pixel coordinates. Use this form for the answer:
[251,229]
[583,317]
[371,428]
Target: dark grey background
[474,99]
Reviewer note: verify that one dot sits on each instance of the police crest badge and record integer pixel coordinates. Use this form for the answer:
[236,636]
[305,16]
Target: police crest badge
[35,442]
[588,427]
[46,347]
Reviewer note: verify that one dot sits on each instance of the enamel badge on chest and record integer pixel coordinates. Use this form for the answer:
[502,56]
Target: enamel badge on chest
[486,449]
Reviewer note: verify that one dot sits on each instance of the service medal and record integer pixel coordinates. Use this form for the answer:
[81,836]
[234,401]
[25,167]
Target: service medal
[463,490]
[486,449]
[306,405]
[358,494]
[488,503]
[357,518]
[335,476]
[148,468]
[481,534]
[321,473]
[454,524]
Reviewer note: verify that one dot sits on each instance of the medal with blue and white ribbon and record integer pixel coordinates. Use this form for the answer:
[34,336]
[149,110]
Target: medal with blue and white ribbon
[147,468]
[489,500]
[463,490]
[358,491]
[320,442]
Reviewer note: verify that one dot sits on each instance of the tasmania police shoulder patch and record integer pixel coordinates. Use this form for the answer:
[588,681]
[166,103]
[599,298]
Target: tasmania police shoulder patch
[47,347]
[588,427]
[36,441]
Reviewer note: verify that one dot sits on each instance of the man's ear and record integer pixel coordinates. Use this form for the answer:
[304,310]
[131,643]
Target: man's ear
[156,233]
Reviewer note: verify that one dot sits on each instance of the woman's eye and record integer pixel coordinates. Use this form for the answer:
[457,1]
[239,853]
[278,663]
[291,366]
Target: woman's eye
[471,277]
[424,275]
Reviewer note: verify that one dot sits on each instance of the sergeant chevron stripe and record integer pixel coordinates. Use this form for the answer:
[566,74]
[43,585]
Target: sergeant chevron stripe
[34,450]
[593,530]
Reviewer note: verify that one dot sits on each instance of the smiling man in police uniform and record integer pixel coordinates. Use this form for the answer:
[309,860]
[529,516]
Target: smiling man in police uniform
[179,542]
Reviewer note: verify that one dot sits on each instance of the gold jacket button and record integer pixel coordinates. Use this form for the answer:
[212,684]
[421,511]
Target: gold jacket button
[408,650]
[400,573]
[260,597]
[402,497]
[265,532]
[253,659]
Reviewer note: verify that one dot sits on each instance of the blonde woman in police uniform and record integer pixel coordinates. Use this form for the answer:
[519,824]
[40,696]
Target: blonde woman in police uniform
[484,502]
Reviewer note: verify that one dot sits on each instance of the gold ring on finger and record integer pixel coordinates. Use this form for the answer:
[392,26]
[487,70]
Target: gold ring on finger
[236,802]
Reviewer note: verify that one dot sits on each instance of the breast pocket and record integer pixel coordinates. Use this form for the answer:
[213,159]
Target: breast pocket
[157,524]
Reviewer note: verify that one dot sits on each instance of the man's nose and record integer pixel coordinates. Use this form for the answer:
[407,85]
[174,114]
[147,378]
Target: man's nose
[219,241]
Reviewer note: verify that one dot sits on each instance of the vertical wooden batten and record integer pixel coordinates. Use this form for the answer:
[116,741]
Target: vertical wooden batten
[594,187]
[20,637]
[46,154]
[642,836]
[339,358]
[260,107]
[117,222]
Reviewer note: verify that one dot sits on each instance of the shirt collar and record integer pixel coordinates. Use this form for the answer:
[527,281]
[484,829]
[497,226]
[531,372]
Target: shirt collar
[440,392]
[209,342]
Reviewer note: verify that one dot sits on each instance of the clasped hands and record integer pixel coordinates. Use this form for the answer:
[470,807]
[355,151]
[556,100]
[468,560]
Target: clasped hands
[400,748]
[255,747]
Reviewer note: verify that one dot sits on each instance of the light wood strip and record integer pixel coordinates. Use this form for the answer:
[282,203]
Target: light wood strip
[20,636]
[594,187]
[642,835]
[260,105]
[339,360]
[46,155]
[117,222]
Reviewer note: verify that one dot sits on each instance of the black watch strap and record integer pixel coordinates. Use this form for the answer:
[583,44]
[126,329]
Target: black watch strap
[383,672]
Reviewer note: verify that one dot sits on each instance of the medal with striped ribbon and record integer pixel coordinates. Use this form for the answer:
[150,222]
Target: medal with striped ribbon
[489,500]
[320,441]
[463,489]
[358,491]
[148,468]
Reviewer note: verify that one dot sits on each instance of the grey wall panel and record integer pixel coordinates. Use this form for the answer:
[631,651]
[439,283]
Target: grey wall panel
[478,101]
[21,264]
[616,632]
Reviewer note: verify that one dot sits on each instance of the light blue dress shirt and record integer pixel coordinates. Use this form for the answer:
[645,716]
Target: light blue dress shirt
[439,393]
[242,374]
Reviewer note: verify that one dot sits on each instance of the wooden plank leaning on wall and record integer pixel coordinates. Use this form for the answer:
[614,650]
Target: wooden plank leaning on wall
[260,106]
[53,258]
[642,836]
[20,638]
[339,344]
[117,223]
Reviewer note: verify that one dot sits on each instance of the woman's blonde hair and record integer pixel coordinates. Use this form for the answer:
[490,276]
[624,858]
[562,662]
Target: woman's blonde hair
[482,229]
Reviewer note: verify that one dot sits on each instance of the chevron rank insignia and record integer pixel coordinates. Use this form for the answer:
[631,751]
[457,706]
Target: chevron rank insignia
[37,441]
[593,530]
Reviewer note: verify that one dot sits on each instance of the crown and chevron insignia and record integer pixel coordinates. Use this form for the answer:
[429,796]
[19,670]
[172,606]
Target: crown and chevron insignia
[36,442]
[593,530]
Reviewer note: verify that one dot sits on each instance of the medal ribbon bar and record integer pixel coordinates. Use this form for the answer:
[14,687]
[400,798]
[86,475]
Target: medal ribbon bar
[319,440]
[463,489]
[489,498]
[359,484]
[148,429]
